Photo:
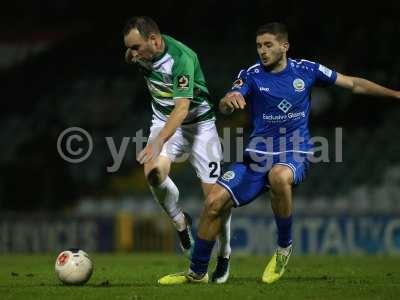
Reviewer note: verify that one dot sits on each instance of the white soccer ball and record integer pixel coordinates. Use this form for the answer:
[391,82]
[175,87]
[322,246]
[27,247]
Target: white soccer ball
[73,266]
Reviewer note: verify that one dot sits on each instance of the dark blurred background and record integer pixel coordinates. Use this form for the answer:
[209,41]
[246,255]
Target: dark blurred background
[61,65]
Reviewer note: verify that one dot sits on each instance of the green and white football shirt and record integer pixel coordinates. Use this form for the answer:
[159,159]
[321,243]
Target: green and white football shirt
[177,74]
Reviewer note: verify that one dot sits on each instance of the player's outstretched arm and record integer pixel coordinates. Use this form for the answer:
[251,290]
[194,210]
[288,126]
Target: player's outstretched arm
[175,119]
[230,102]
[363,86]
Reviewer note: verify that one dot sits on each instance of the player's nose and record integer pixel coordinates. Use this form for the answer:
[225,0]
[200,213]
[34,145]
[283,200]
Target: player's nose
[264,51]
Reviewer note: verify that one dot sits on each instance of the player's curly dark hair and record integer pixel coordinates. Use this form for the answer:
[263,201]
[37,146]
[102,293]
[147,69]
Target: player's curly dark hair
[145,25]
[276,28]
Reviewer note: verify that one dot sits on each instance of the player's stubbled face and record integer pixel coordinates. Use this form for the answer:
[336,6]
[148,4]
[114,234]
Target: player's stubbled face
[141,49]
[269,49]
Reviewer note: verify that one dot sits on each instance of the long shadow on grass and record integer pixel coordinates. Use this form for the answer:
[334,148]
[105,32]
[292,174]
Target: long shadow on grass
[324,278]
[89,285]
[232,281]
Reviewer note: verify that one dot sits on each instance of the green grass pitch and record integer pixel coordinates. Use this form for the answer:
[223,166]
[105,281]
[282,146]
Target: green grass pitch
[134,277]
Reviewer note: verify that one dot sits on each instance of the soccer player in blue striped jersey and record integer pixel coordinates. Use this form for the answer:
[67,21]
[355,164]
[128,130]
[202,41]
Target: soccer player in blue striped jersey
[277,91]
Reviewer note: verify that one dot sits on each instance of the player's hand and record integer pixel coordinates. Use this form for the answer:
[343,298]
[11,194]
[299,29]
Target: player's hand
[150,152]
[233,100]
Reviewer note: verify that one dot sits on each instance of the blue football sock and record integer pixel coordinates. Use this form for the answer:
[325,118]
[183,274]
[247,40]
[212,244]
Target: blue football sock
[284,231]
[201,256]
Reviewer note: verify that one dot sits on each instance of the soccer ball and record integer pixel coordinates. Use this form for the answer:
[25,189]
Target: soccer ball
[73,267]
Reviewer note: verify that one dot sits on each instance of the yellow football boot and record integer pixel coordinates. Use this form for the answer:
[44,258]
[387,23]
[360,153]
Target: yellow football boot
[277,265]
[181,278]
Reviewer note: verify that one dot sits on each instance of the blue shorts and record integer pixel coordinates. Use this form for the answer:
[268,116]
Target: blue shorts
[247,180]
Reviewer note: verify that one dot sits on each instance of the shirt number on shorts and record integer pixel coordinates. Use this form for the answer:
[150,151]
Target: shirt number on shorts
[214,169]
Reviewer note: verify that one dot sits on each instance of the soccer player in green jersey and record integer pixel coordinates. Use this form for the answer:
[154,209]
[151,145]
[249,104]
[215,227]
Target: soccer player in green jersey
[183,124]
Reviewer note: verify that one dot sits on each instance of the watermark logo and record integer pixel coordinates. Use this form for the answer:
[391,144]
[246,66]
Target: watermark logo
[79,152]
[75,145]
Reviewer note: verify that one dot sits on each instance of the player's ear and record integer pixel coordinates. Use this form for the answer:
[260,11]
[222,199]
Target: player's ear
[153,39]
[285,46]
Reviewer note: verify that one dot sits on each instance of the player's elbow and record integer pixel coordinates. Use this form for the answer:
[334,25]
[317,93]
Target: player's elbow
[355,86]
[360,86]
[182,112]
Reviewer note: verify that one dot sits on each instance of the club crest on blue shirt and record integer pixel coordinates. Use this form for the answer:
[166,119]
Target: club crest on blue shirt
[299,85]
[228,175]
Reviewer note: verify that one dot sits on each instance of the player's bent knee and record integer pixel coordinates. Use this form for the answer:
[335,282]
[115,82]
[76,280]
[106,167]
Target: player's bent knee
[214,205]
[280,176]
[154,177]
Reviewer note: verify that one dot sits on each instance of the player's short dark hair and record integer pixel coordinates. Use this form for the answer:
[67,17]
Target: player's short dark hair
[145,25]
[275,28]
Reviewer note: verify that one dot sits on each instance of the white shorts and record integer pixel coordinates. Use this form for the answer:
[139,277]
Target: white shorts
[199,143]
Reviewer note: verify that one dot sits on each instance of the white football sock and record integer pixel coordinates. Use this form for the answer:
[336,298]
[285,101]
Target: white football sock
[224,238]
[167,195]
[179,221]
